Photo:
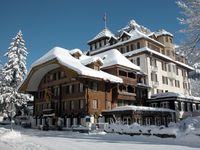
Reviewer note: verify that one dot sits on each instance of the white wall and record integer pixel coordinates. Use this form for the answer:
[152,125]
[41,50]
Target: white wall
[147,69]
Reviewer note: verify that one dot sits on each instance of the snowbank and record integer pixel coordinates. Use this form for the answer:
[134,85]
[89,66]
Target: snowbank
[189,127]
[136,129]
[8,135]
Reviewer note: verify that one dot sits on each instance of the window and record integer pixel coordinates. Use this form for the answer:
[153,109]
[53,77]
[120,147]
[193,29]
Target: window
[81,104]
[131,89]
[131,75]
[138,61]
[72,104]
[122,50]
[105,42]
[182,106]
[177,71]
[94,86]
[177,83]
[133,47]
[164,80]
[183,73]
[194,107]
[148,121]
[163,51]
[81,87]
[127,48]
[170,39]
[73,88]
[122,73]
[58,75]
[133,61]
[100,44]
[153,62]
[188,107]
[56,91]
[95,46]
[108,105]
[154,104]
[164,66]
[171,82]
[62,74]
[185,85]
[51,77]
[54,76]
[176,105]
[159,91]
[67,89]
[138,45]
[154,77]
[169,68]
[166,39]
[164,104]
[174,68]
[95,104]
[168,52]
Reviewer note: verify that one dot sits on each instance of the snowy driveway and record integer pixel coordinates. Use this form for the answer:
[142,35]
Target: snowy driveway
[28,139]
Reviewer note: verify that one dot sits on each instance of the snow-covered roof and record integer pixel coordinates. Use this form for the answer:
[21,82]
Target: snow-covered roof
[114,57]
[135,34]
[134,25]
[64,58]
[158,54]
[173,94]
[139,108]
[104,33]
[76,50]
[163,32]
[85,60]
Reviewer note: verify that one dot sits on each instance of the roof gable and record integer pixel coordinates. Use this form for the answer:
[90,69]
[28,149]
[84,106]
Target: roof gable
[114,57]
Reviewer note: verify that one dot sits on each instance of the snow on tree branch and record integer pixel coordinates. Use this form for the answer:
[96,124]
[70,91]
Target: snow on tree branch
[13,73]
[190,10]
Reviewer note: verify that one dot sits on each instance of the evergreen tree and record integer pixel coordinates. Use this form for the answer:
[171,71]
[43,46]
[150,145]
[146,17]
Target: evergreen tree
[191,18]
[13,73]
[15,69]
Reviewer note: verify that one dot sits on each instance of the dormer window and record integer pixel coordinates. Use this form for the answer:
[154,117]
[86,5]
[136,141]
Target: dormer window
[76,55]
[100,45]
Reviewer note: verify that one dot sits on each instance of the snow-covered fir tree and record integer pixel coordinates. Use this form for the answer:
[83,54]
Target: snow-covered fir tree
[15,69]
[191,18]
[191,47]
[13,73]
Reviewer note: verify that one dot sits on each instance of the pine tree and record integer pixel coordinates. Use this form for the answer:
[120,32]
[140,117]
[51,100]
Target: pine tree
[191,18]
[13,73]
[15,69]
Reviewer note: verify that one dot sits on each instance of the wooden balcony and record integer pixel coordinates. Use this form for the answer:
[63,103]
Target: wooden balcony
[129,81]
[126,96]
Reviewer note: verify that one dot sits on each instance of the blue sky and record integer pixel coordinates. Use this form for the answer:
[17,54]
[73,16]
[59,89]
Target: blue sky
[71,23]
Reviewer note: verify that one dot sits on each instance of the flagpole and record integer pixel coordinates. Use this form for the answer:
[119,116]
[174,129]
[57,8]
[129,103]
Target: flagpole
[105,19]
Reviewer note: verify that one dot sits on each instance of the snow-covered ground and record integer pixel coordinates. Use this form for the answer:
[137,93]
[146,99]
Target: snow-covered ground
[33,139]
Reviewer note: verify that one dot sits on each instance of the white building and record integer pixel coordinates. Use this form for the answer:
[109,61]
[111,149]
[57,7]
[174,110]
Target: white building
[154,52]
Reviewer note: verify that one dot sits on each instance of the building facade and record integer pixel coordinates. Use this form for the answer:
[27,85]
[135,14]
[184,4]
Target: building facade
[63,87]
[75,88]
[154,52]
[184,106]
